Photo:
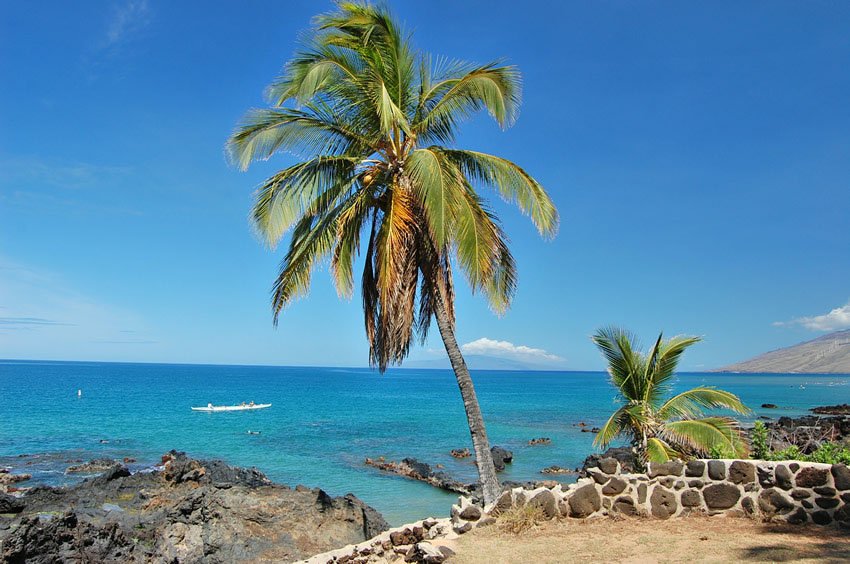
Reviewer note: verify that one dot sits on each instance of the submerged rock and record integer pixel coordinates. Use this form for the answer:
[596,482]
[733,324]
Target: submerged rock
[191,511]
[501,456]
[417,470]
[841,409]
[93,466]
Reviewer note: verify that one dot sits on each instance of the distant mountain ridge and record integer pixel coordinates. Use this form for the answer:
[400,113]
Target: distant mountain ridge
[827,355]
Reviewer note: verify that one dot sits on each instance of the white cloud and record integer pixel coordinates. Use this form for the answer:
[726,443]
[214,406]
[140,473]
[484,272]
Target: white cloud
[506,349]
[838,318]
[127,19]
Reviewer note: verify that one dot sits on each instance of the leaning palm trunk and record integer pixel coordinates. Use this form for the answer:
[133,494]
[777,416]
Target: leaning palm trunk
[483,457]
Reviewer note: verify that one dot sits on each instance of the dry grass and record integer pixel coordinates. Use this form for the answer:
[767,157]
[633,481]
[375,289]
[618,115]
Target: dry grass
[518,520]
[695,539]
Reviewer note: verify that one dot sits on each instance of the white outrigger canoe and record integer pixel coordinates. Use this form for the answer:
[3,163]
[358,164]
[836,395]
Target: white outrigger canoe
[246,407]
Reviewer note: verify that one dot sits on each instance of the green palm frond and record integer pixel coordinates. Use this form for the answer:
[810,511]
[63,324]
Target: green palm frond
[264,132]
[294,191]
[439,186]
[703,434]
[616,425]
[694,402]
[512,182]
[624,364]
[669,354]
[658,450]
[455,98]
[312,241]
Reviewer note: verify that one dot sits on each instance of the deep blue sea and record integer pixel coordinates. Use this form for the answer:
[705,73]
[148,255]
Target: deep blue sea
[325,421]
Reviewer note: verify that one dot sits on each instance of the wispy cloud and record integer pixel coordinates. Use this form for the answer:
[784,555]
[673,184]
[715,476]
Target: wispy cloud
[17,322]
[506,349]
[127,19]
[124,342]
[838,318]
[43,316]
[63,174]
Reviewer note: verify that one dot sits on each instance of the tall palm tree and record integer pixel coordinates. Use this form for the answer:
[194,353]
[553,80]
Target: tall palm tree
[661,427]
[375,122]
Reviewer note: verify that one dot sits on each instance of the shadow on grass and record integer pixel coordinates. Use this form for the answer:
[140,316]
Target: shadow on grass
[824,544]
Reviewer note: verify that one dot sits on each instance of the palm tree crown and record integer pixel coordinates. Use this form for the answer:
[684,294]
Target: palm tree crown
[661,427]
[373,119]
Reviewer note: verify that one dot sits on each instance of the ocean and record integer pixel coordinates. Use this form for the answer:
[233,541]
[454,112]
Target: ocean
[325,421]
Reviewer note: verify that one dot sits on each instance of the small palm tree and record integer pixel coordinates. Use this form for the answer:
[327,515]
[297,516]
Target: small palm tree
[661,427]
[375,121]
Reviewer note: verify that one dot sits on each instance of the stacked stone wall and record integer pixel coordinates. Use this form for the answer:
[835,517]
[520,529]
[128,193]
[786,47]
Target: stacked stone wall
[795,492]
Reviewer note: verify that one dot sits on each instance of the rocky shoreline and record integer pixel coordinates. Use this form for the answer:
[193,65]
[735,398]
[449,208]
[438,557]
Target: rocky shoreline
[187,511]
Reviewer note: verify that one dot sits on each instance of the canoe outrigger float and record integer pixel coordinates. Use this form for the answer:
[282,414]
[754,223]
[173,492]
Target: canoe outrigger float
[243,407]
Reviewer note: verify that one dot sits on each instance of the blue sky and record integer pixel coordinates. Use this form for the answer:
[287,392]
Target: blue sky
[699,154]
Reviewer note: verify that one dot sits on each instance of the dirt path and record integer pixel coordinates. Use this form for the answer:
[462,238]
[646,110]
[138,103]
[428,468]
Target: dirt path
[696,539]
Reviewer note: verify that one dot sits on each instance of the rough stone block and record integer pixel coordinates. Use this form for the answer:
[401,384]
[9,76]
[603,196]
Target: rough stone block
[598,476]
[545,500]
[625,505]
[642,493]
[695,469]
[825,491]
[784,477]
[471,513]
[502,504]
[821,517]
[772,501]
[810,477]
[801,494]
[614,487]
[671,468]
[663,503]
[716,469]
[741,472]
[827,502]
[585,501]
[749,505]
[721,496]
[841,475]
[691,498]
[765,475]
[695,484]
[609,465]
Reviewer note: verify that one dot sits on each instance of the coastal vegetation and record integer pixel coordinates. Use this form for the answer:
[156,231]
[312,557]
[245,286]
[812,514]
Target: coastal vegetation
[661,427]
[827,452]
[376,121]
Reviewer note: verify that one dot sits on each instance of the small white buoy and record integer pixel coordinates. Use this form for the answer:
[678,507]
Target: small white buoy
[79,393]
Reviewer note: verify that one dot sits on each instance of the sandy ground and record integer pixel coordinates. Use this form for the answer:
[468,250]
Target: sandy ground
[696,539]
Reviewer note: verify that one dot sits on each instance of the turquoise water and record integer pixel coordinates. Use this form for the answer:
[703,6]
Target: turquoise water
[325,421]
